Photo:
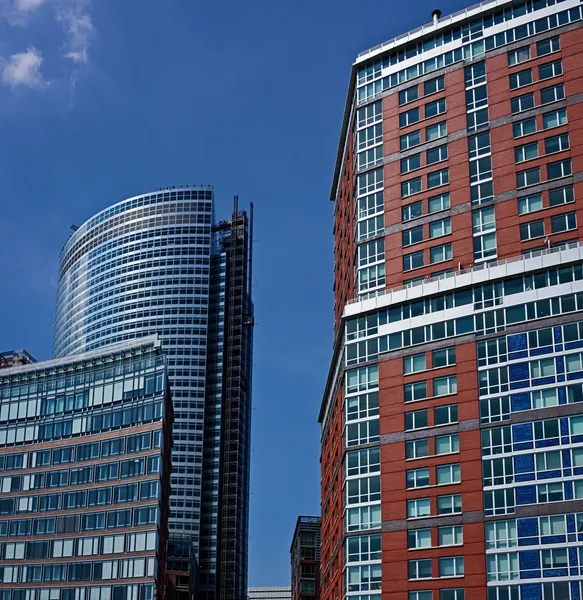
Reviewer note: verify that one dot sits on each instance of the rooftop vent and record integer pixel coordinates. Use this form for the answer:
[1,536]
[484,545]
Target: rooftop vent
[436,14]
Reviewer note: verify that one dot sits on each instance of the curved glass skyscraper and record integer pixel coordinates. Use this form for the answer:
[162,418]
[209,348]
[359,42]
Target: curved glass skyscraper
[144,266]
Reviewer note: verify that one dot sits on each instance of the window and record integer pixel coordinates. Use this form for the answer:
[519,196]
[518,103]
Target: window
[447,474]
[434,132]
[502,567]
[436,155]
[553,525]
[479,145]
[415,391]
[413,186]
[408,95]
[522,103]
[476,97]
[437,107]
[564,222]
[413,261]
[526,152]
[412,211]
[544,398]
[501,534]
[561,196]
[483,220]
[438,203]
[366,489]
[557,143]
[370,182]
[475,74]
[418,538]
[414,364]
[520,79]
[364,518]
[552,94]
[554,119]
[450,535]
[420,569]
[371,227]
[444,415]
[515,57]
[440,253]
[410,163]
[559,169]
[413,236]
[554,559]
[418,508]
[416,419]
[443,358]
[423,595]
[437,178]
[363,548]
[547,46]
[366,432]
[528,177]
[443,386]
[530,204]
[417,448]
[478,119]
[439,228]
[522,128]
[409,117]
[556,590]
[485,246]
[542,368]
[532,229]
[367,577]
[370,114]
[548,461]
[411,139]
[447,444]
[451,566]
[453,594]
[417,478]
[434,85]
[448,505]
[548,70]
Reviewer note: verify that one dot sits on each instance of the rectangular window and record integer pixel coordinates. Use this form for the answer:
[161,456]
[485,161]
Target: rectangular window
[520,79]
[564,222]
[370,136]
[557,143]
[408,95]
[548,46]
[418,508]
[526,127]
[372,113]
[418,538]
[445,415]
[530,204]
[416,419]
[528,177]
[439,228]
[414,364]
[448,505]
[413,261]
[551,69]
[410,163]
[526,152]
[518,56]
[415,391]
[478,119]
[479,145]
[447,474]
[552,94]
[522,103]
[365,432]
[412,211]
[363,518]
[410,140]
[475,74]
[413,186]
[434,85]
[561,196]
[451,566]
[417,478]
[559,169]
[371,227]
[439,203]
[502,567]
[437,107]
[443,358]
[554,119]
[409,117]
[436,155]
[532,229]
[440,253]
[420,569]
[437,178]
[483,220]
[476,98]
[447,444]
[417,448]
[443,386]
[434,132]
[450,535]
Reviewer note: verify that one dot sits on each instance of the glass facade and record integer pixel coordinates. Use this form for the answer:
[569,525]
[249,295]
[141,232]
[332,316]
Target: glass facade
[84,461]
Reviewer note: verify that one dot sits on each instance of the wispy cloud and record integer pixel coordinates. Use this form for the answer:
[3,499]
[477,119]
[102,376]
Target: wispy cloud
[79,30]
[27,5]
[23,69]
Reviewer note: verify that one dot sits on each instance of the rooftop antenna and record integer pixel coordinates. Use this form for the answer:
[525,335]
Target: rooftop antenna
[435,15]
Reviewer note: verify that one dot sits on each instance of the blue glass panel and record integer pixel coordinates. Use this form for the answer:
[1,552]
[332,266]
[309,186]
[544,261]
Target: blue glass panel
[527,528]
[571,524]
[568,485]
[529,563]
[573,562]
[573,345]
[564,426]
[518,355]
[560,362]
[575,595]
[539,351]
[571,537]
[518,372]
[576,439]
[531,591]
[552,539]
[524,463]
[517,341]
[557,335]
[575,375]
[566,454]
[559,348]
[578,471]
[522,432]
[555,572]
[560,378]
[520,402]
[543,380]
[519,385]
[522,477]
[547,443]
[549,474]
[526,495]
[562,395]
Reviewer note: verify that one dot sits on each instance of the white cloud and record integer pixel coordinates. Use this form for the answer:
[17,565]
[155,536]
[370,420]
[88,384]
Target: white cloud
[23,69]
[27,5]
[79,30]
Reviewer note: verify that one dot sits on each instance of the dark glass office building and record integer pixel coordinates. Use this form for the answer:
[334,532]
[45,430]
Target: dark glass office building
[85,447]
[157,263]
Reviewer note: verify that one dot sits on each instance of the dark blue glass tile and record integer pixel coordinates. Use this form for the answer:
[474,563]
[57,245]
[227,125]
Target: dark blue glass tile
[573,345]
[549,474]
[564,426]
[543,380]
[517,341]
[518,372]
[520,402]
[517,355]
[568,486]
[522,432]
[555,572]
[578,471]
[560,362]
[577,438]
[557,335]
[522,477]
[529,560]
[566,455]
[526,495]
[527,527]
[571,537]
[573,562]
[539,351]
[519,385]
[560,378]
[575,595]
[552,539]
[531,591]
[562,395]
[524,463]
[571,524]
[574,376]
[547,443]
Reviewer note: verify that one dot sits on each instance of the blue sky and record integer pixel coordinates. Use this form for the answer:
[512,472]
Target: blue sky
[104,99]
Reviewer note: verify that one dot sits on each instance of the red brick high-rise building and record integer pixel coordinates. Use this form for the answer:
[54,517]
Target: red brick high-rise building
[452,428]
